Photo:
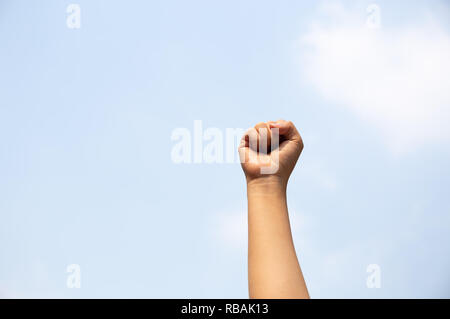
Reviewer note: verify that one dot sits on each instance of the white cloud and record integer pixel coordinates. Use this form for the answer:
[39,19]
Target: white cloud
[396,79]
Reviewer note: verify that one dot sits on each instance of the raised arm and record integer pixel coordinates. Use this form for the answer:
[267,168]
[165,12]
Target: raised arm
[273,268]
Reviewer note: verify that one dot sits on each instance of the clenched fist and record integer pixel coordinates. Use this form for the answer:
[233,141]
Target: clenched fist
[270,150]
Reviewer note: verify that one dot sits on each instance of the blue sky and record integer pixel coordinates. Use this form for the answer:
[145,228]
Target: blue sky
[86,117]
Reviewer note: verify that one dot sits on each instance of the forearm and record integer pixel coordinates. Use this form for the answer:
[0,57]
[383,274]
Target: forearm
[274,271]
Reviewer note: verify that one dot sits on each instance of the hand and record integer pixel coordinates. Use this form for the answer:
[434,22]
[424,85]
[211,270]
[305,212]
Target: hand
[266,164]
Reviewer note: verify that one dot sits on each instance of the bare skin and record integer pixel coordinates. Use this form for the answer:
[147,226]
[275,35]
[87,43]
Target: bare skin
[273,267]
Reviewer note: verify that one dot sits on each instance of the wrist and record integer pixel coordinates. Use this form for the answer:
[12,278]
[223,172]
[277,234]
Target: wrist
[267,185]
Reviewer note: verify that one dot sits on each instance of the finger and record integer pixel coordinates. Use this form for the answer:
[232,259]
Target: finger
[248,146]
[264,137]
[287,130]
[250,138]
